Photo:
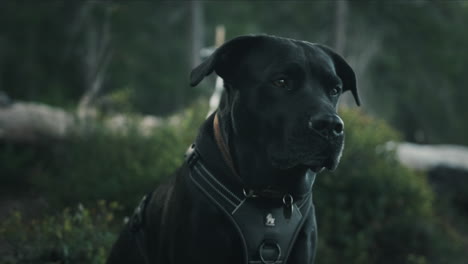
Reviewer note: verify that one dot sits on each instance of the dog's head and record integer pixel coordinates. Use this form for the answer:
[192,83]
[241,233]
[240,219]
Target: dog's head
[281,99]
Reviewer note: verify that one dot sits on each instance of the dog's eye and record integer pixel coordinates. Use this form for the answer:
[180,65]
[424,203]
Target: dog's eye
[281,83]
[335,91]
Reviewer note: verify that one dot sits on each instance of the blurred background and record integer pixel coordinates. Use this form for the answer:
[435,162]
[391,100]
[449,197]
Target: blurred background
[96,110]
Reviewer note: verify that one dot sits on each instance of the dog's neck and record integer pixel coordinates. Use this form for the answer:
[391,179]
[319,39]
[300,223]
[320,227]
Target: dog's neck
[248,164]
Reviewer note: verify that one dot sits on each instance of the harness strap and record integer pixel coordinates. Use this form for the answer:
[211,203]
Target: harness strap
[267,234]
[206,180]
[136,226]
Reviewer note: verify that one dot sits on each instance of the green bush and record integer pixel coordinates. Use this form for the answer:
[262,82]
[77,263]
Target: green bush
[118,166]
[75,236]
[17,162]
[372,209]
[100,164]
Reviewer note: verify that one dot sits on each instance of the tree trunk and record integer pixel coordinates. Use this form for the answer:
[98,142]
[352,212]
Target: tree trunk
[341,19]
[339,39]
[196,43]
[96,59]
[197,33]
[215,98]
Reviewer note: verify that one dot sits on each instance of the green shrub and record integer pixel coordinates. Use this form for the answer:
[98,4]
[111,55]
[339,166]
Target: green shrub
[75,236]
[100,164]
[16,163]
[117,166]
[372,209]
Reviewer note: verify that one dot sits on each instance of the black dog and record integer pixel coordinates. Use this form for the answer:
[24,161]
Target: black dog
[244,193]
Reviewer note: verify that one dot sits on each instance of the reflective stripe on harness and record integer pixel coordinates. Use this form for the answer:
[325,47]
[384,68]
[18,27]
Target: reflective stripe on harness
[267,232]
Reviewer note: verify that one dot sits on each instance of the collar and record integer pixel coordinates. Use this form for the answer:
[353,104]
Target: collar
[212,151]
[223,147]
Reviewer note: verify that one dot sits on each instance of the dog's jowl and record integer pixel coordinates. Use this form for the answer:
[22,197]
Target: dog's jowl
[244,192]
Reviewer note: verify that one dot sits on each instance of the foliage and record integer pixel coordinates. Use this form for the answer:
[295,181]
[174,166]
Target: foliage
[373,210]
[16,162]
[78,235]
[118,166]
[101,164]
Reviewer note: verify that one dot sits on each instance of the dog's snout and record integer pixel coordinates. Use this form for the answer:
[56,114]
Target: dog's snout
[327,125]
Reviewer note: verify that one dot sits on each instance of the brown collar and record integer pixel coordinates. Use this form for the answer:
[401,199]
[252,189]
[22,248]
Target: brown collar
[223,147]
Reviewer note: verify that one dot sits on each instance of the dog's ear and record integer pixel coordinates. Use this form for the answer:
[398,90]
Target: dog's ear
[223,59]
[345,72]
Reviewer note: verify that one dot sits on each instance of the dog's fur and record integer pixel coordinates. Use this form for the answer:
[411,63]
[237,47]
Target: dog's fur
[278,119]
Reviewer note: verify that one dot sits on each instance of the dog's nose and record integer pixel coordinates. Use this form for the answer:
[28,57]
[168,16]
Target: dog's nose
[327,125]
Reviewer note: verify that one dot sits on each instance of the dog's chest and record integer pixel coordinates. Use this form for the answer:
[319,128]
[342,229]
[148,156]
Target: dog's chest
[254,230]
[268,233]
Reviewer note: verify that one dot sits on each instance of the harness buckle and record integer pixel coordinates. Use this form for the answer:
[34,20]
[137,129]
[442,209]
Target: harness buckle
[249,194]
[288,200]
[191,155]
[288,206]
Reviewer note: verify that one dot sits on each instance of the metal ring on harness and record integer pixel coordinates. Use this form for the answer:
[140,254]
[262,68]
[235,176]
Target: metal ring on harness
[262,247]
[288,200]
[249,194]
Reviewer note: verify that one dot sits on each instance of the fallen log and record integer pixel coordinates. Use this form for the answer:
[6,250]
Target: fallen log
[29,122]
[427,157]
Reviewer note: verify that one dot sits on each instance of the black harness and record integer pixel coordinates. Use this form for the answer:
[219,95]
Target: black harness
[267,221]
[268,226]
